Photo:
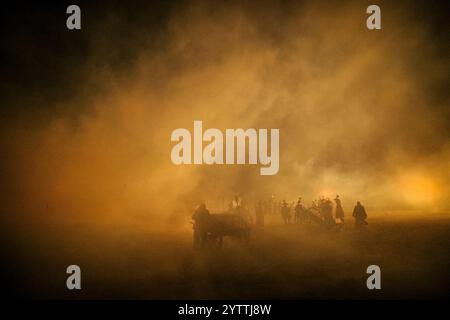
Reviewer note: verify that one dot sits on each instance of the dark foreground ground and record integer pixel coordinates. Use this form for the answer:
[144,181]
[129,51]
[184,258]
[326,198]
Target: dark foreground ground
[280,262]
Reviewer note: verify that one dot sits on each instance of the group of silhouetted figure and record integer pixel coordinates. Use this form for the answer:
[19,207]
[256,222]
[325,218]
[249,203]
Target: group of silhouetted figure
[320,211]
[200,217]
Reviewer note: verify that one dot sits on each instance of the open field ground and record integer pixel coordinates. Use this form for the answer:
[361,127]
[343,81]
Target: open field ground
[280,262]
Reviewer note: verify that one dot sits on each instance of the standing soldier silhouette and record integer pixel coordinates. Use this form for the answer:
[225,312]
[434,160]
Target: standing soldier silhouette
[299,211]
[201,219]
[360,215]
[285,212]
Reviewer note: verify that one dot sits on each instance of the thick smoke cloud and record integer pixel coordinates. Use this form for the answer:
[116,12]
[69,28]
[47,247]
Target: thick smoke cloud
[361,113]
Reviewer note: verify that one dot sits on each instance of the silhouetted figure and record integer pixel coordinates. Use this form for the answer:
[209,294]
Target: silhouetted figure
[327,212]
[259,214]
[339,209]
[360,215]
[285,214]
[299,211]
[201,218]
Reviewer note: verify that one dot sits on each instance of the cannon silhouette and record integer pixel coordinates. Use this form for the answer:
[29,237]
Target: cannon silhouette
[220,225]
[314,214]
